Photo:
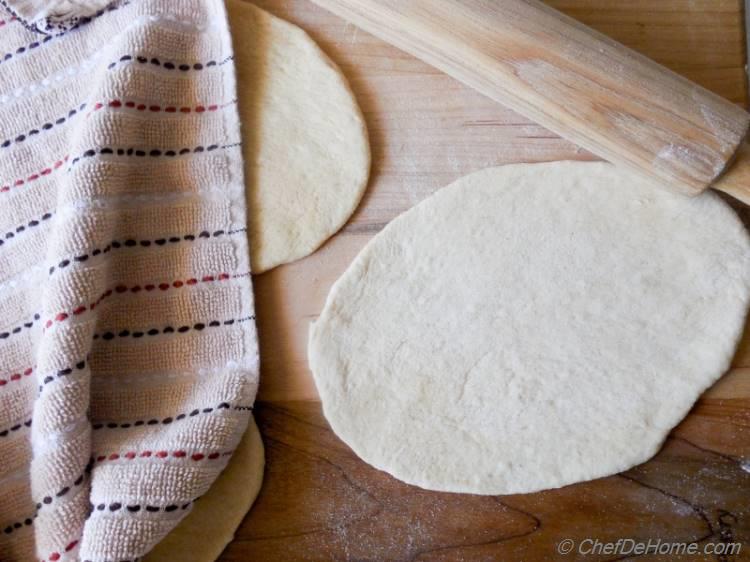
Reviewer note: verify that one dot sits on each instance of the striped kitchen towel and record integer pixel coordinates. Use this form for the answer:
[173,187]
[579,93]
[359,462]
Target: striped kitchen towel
[128,349]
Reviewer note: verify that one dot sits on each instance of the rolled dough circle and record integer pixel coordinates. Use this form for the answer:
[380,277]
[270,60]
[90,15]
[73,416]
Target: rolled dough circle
[531,326]
[210,526]
[307,157]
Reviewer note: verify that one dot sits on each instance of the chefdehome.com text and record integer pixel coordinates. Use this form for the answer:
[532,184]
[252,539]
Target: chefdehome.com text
[628,547]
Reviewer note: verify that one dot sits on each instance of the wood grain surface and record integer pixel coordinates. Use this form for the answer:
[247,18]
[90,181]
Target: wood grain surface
[571,79]
[319,501]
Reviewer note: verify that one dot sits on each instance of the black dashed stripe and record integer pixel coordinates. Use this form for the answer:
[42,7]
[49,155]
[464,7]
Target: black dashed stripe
[42,128]
[28,47]
[132,243]
[80,366]
[168,65]
[169,419]
[5,334]
[149,152]
[196,327]
[14,428]
[11,234]
[19,524]
[138,508]
[47,500]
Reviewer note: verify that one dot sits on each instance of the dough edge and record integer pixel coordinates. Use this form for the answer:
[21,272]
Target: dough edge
[340,427]
[266,254]
[207,530]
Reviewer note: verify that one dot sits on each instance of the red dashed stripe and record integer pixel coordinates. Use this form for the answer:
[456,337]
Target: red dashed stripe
[6,22]
[156,108]
[179,454]
[120,289]
[33,177]
[17,376]
[53,557]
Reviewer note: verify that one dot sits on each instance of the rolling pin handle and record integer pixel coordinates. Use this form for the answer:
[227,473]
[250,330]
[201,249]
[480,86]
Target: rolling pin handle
[736,178]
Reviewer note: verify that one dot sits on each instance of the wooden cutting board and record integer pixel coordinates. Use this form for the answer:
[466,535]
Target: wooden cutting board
[319,501]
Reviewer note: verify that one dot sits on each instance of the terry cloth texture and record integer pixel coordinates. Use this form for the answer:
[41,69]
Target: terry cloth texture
[49,16]
[128,350]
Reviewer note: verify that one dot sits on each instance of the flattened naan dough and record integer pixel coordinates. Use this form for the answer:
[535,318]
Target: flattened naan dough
[307,158]
[210,526]
[531,326]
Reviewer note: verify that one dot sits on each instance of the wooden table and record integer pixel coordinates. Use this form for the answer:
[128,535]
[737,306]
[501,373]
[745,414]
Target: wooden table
[319,501]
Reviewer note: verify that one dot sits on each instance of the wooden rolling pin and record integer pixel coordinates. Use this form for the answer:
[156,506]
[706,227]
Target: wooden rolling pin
[574,81]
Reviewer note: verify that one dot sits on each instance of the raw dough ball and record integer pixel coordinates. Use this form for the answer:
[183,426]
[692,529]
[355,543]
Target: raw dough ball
[531,326]
[210,526]
[307,158]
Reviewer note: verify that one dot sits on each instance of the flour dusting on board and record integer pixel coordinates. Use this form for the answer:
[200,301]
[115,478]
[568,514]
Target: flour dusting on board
[365,520]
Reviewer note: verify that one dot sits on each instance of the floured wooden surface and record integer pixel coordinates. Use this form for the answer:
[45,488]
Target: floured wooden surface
[319,501]
[427,130]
